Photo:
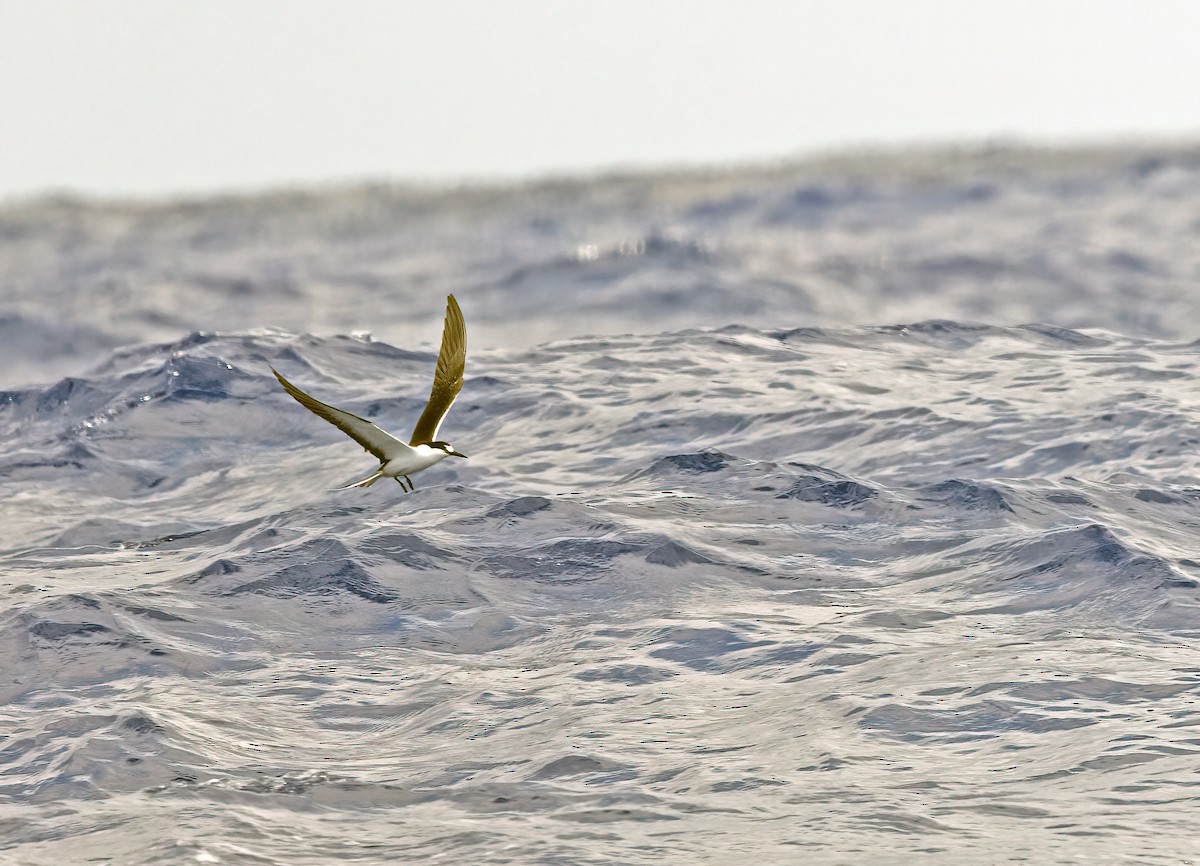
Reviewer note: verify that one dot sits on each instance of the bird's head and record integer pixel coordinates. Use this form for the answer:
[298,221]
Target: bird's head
[447,447]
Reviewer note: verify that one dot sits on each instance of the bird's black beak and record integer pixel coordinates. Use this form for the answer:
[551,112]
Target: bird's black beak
[454,453]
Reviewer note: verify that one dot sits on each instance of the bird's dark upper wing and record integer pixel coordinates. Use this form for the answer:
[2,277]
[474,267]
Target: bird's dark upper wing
[448,380]
[376,441]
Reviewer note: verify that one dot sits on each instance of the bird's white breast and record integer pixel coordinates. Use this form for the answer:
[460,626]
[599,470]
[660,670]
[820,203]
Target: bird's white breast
[418,458]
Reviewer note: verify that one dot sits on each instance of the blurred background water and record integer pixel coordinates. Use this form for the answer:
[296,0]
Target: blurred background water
[832,510]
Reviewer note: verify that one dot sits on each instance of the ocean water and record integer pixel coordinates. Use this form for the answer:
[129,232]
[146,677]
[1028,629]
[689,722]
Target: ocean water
[837,512]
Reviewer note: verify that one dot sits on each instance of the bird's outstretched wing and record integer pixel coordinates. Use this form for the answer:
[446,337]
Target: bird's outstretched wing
[376,441]
[448,380]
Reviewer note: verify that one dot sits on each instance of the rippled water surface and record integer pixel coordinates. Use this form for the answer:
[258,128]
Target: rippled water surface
[838,513]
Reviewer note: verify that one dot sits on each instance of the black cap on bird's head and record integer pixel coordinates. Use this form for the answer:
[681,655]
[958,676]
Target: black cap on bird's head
[447,447]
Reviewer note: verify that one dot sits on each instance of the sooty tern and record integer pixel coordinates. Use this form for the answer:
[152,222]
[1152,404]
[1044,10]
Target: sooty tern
[397,460]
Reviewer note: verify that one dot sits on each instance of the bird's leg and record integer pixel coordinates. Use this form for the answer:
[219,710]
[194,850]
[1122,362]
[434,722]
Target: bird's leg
[400,481]
[411,486]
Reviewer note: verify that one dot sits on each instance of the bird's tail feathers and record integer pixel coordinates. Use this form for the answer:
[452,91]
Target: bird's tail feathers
[366,482]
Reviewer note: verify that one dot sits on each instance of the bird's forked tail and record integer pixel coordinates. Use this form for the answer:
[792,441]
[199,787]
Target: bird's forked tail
[366,482]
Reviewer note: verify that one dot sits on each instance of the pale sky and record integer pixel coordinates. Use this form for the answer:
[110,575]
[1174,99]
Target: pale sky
[147,97]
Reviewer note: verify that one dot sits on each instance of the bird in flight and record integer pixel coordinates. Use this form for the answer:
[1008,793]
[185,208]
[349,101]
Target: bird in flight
[396,459]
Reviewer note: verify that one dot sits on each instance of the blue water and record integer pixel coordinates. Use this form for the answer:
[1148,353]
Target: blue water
[835,512]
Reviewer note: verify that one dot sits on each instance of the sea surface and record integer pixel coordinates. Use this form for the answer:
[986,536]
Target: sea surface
[835,512]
